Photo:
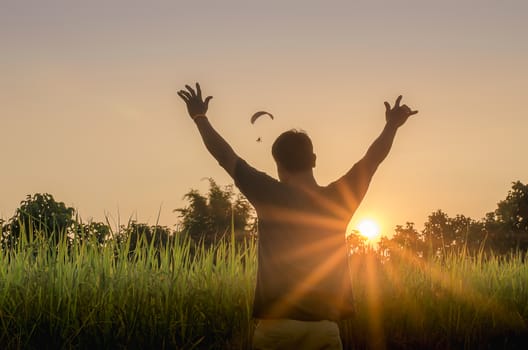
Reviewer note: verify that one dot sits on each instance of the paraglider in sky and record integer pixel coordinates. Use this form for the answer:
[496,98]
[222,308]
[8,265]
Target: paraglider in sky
[258,115]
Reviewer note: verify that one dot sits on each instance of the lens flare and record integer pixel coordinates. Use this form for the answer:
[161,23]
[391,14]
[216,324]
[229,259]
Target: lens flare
[369,228]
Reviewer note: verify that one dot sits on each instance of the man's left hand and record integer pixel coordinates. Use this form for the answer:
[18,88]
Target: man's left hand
[398,115]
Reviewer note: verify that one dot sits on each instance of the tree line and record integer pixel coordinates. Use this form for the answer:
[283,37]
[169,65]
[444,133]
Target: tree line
[501,232]
[205,219]
[220,213]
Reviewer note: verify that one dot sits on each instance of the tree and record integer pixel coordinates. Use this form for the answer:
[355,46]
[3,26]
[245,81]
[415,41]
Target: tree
[157,236]
[356,242]
[471,235]
[97,232]
[209,217]
[513,211]
[407,240]
[194,217]
[507,226]
[503,231]
[443,234]
[39,215]
[436,234]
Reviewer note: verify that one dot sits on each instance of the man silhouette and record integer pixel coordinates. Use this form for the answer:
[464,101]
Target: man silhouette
[303,283]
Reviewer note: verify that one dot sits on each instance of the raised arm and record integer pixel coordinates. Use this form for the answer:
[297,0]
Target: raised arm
[378,151]
[215,144]
[355,182]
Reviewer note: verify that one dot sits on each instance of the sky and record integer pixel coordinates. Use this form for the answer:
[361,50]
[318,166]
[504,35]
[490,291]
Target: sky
[89,111]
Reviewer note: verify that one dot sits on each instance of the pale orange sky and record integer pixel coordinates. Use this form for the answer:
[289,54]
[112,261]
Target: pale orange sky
[89,111]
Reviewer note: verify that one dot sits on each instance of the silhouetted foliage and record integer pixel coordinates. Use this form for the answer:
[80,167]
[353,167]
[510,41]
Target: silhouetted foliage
[139,233]
[443,234]
[513,211]
[92,232]
[507,226]
[501,232]
[2,227]
[39,216]
[208,218]
[356,242]
[136,237]
[408,238]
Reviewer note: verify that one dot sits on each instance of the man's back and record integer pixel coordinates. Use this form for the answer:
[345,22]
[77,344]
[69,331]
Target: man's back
[303,267]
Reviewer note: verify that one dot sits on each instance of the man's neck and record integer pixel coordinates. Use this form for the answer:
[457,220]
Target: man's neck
[303,179]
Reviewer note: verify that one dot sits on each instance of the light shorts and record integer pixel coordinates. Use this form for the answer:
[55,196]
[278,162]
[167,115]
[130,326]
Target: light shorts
[298,335]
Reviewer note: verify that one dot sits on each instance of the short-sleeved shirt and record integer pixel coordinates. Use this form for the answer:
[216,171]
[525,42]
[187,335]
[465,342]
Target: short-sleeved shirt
[302,269]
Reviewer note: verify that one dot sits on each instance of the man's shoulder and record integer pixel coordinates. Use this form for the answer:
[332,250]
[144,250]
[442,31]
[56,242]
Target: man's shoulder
[244,169]
[256,185]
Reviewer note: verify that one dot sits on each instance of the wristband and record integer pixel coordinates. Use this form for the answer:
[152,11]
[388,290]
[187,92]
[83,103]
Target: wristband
[198,116]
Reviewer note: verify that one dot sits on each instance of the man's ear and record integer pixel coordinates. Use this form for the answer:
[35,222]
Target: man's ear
[314,157]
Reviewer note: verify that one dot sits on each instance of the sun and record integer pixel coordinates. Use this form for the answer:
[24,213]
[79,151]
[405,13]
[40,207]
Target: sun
[369,228]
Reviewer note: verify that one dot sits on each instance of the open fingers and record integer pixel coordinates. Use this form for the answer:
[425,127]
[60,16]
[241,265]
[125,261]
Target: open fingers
[185,95]
[387,106]
[198,91]
[408,110]
[207,100]
[191,91]
[397,103]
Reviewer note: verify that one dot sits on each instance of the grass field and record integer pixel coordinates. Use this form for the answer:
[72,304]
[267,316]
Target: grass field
[192,297]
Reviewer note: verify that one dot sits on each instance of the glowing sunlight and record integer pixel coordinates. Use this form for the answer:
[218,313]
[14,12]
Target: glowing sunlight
[369,228]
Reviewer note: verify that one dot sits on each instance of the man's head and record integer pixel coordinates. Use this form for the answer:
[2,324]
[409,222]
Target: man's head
[293,152]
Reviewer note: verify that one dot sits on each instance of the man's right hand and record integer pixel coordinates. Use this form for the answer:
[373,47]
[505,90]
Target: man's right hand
[398,115]
[195,104]
[215,144]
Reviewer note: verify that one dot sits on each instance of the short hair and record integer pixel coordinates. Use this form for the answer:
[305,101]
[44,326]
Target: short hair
[293,150]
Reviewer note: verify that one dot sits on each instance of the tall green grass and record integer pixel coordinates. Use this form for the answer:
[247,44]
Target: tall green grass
[194,297]
[459,302]
[108,297]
